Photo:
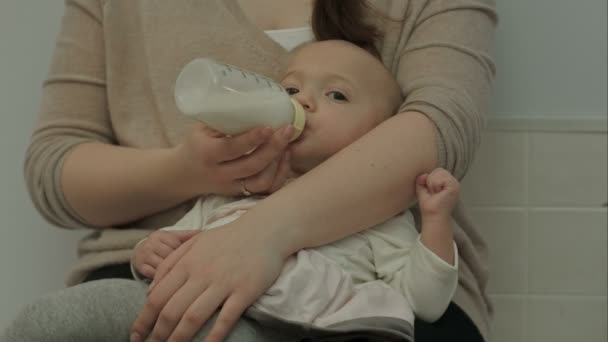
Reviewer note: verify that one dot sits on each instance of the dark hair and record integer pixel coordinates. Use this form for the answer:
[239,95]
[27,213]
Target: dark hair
[345,20]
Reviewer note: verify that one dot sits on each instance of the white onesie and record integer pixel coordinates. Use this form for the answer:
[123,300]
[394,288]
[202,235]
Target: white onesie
[384,271]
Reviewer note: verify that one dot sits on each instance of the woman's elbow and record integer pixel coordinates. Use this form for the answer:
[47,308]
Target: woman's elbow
[42,168]
[458,120]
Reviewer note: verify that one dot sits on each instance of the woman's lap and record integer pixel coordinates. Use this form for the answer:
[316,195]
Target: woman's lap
[104,309]
[95,311]
[101,310]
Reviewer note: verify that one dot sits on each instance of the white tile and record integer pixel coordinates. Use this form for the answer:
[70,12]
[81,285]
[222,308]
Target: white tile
[567,169]
[508,322]
[505,233]
[566,320]
[567,251]
[497,175]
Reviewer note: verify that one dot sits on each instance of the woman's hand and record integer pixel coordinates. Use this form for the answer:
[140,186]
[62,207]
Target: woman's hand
[228,267]
[215,163]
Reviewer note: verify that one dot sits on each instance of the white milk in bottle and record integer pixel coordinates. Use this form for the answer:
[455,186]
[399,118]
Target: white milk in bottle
[232,100]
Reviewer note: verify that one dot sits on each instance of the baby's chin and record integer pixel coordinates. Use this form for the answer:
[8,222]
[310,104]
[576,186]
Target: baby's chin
[305,155]
[300,165]
[301,161]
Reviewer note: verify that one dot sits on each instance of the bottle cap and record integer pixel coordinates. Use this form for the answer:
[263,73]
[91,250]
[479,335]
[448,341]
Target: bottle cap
[299,119]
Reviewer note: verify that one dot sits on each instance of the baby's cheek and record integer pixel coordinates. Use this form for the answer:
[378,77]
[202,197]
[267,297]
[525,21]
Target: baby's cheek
[346,136]
[336,144]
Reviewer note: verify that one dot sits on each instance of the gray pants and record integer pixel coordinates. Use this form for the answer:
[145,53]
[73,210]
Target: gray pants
[104,310]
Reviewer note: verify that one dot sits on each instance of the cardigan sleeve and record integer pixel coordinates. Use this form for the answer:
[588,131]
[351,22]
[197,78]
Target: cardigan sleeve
[446,72]
[74,109]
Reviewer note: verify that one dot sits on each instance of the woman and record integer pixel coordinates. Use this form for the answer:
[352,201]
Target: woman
[107,152]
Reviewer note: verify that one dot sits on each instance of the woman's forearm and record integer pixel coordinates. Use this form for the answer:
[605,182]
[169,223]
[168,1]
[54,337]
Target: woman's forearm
[109,185]
[363,185]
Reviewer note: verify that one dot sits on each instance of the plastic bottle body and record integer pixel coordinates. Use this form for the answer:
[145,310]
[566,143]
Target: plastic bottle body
[232,100]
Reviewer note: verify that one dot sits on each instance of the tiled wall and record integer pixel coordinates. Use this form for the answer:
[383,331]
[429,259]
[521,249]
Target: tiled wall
[540,199]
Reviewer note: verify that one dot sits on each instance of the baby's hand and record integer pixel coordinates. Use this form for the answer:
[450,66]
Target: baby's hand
[437,192]
[149,254]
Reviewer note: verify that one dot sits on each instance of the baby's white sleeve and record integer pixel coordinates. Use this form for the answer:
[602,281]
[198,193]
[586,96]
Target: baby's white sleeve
[426,280]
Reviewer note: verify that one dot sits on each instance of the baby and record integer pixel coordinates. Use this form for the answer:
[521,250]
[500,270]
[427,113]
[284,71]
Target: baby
[388,271]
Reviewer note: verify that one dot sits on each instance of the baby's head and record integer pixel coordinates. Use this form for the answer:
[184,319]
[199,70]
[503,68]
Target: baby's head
[346,92]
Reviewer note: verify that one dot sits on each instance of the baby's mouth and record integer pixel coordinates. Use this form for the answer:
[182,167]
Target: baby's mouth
[304,135]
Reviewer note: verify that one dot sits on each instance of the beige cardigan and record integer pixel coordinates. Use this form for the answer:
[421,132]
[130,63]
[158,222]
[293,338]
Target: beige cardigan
[115,64]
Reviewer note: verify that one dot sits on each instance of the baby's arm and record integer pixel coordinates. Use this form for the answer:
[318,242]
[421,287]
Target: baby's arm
[424,268]
[437,193]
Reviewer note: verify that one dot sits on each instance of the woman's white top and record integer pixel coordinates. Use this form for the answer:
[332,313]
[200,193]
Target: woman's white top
[291,37]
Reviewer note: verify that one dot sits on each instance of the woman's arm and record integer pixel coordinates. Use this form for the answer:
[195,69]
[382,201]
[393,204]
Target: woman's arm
[109,185]
[364,184]
[367,182]
[78,177]
[446,71]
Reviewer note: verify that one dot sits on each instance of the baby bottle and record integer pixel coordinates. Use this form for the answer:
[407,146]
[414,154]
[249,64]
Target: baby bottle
[232,100]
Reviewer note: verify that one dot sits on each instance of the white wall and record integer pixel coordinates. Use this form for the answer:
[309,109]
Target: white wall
[33,255]
[551,57]
[539,197]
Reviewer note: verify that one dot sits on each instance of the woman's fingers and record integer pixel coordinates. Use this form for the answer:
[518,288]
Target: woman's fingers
[240,268]
[165,267]
[155,303]
[217,163]
[199,312]
[231,148]
[231,311]
[210,131]
[258,160]
[171,315]
[261,182]
[283,173]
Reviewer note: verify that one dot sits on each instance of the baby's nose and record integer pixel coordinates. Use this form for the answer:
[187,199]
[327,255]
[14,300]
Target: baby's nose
[306,100]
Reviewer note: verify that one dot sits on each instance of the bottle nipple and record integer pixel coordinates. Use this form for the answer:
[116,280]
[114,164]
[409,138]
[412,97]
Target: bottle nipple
[299,119]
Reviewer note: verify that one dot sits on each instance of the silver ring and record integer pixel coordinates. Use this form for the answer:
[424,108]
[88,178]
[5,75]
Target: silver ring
[244,190]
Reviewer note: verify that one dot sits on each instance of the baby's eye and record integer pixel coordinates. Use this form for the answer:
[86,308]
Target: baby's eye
[292,90]
[337,96]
